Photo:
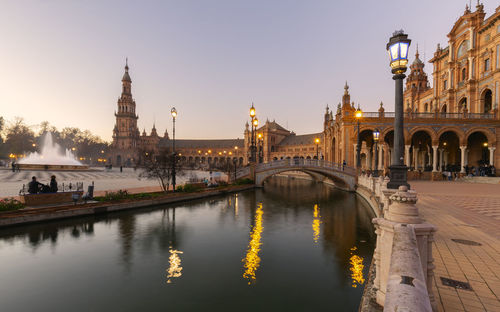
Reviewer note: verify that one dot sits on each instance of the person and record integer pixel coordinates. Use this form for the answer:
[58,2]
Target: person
[343,165]
[13,166]
[34,186]
[53,184]
[121,168]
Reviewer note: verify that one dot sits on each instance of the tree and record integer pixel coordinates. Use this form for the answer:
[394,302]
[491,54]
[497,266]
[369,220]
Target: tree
[159,166]
[19,138]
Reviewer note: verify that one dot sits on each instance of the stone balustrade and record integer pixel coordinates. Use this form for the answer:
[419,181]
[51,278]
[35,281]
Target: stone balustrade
[404,266]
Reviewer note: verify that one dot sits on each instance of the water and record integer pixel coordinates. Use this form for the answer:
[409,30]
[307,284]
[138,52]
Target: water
[51,154]
[293,246]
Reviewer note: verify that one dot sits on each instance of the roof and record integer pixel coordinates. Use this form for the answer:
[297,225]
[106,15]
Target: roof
[305,139]
[224,143]
[272,125]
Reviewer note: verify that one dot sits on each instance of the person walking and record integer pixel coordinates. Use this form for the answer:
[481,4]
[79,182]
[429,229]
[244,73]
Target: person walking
[53,184]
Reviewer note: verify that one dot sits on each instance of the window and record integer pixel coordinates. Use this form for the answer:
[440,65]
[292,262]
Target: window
[463,74]
[426,107]
[445,85]
[487,64]
[462,49]
[487,38]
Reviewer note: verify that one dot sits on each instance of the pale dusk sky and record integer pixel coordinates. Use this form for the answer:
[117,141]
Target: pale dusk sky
[62,61]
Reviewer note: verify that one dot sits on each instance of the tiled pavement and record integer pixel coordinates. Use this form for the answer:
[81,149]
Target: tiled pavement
[469,212]
[12,182]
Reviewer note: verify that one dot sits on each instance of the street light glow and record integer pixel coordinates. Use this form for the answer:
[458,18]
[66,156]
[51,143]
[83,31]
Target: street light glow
[173,111]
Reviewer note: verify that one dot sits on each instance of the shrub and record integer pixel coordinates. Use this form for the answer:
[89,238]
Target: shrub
[7,204]
[110,196]
[243,181]
[190,188]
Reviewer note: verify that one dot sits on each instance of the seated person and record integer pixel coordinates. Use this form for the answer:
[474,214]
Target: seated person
[34,186]
[53,184]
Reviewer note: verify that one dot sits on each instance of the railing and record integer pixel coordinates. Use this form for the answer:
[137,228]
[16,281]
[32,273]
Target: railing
[429,115]
[298,162]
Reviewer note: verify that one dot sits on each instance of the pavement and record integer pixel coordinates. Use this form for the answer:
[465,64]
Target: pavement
[469,213]
[104,180]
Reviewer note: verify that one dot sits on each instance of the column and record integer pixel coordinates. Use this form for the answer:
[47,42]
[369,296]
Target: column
[462,158]
[434,158]
[441,152]
[492,155]
[355,154]
[415,158]
[380,155]
[368,158]
[407,155]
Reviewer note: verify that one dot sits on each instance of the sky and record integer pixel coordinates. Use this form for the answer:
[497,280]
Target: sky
[62,61]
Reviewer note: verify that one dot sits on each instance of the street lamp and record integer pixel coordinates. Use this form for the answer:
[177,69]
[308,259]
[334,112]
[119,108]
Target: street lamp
[173,111]
[358,115]
[398,51]
[376,135]
[255,123]
[260,141]
[317,147]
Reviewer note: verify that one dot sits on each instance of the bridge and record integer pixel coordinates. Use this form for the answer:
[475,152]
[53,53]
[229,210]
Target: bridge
[343,176]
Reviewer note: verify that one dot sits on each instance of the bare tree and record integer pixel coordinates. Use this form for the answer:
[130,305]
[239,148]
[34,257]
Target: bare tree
[159,166]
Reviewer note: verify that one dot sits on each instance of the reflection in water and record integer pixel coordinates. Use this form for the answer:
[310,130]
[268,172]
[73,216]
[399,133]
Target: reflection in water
[175,268]
[252,259]
[356,269]
[236,205]
[316,225]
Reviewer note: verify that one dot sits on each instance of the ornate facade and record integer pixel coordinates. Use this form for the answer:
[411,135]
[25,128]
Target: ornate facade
[451,125]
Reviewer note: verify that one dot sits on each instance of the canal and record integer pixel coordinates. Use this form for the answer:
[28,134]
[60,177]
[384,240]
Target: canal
[295,245]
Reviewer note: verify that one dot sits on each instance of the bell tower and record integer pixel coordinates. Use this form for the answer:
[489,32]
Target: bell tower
[125,132]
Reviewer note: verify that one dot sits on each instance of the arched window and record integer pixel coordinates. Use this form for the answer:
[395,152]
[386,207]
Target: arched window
[426,107]
[463,48]
[463,74]
[487,100]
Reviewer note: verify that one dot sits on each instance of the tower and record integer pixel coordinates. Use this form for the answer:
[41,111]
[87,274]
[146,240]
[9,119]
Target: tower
[416,84]
[125,132]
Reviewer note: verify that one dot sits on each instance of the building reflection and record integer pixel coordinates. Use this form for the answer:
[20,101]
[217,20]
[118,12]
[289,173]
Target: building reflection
[356,268]
[316,223]
[252,259]
[126,231]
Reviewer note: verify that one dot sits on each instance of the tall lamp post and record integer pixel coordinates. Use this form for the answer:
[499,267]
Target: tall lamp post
[398,51]
[260,140]
[255,123]
[358,114]
[173,111]
[376,135]
[317,147]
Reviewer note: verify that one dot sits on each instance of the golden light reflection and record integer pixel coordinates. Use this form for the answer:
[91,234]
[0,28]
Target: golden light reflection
[252,259]
[175,268]
[356,269]
[236,205]
[316,224]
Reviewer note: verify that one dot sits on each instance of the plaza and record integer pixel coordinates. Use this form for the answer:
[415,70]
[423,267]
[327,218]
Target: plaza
[288,165]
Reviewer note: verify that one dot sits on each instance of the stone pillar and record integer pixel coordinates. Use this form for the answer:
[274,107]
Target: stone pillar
[462,159]
[368,158]
[355,154]
[415,158]
[407,155]
[434,158]
[492,155]
[380,155]
[441,152]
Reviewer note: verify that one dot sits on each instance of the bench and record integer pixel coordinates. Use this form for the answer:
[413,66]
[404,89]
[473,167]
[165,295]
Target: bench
[49,198]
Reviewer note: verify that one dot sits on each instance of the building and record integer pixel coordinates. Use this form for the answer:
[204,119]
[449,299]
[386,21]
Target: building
[451,126]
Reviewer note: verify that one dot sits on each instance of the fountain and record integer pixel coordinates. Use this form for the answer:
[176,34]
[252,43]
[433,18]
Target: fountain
[50,157]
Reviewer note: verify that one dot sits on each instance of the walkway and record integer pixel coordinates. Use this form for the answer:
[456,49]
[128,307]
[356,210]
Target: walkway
[469,212]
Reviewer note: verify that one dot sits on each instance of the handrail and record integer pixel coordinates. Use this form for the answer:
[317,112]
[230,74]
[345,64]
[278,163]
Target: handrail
[300,163]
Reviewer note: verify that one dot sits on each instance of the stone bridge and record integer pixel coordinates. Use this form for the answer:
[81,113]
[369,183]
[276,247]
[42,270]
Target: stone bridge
[343,176]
